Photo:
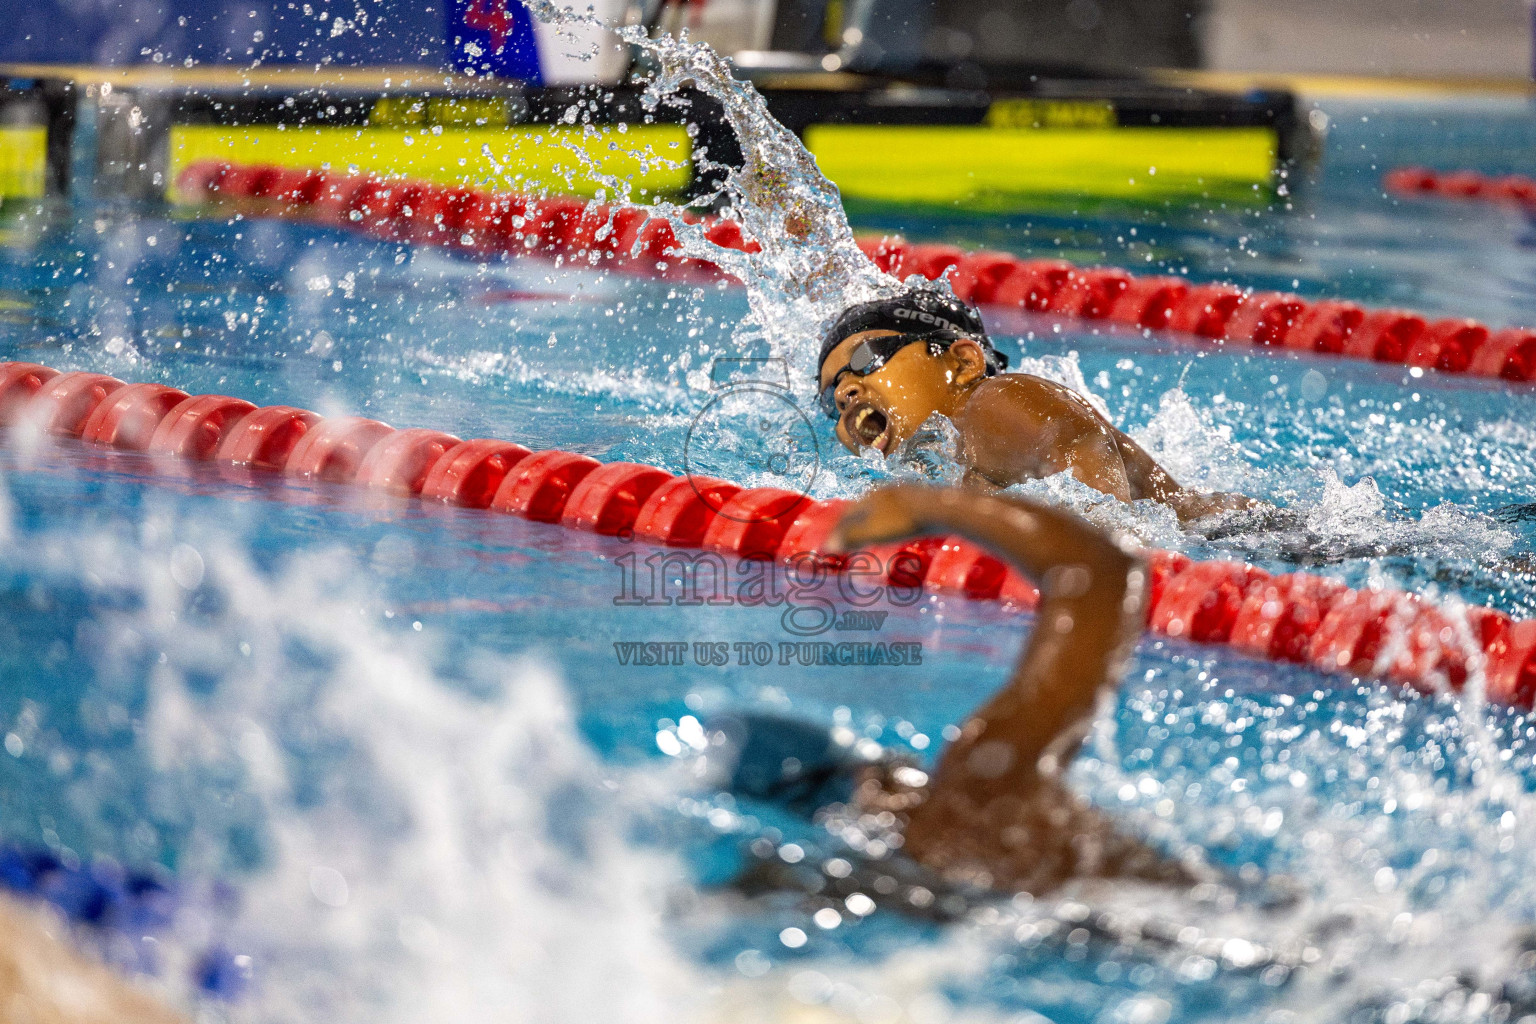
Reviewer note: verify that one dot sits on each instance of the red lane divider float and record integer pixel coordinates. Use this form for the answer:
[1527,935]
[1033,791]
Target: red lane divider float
[1510,189]
[264,438]
[470,473]
[401,461]
[678,513]
[128,417]
[334,450]
[64,403]
[753,522]
[1300,618]
[608,499]
[540,486]
[195,428]
[593,232]
[1279,617]
[1201,600]
[19,384]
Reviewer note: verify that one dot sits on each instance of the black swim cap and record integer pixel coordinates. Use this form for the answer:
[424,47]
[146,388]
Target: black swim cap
[916,312]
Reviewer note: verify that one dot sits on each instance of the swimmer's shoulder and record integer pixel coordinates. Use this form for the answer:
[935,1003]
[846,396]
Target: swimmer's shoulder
[1014,426]
[1020,399]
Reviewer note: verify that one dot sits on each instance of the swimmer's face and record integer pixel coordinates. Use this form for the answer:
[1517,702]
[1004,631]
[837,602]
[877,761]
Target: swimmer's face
[886,407]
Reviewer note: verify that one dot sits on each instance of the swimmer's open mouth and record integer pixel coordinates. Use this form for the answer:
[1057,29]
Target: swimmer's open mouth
[869,427]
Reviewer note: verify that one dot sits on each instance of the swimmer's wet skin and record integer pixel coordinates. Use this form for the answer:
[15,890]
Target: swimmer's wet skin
[887,366]
[996,813]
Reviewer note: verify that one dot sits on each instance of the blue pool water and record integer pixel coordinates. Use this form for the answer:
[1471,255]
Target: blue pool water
[386,750]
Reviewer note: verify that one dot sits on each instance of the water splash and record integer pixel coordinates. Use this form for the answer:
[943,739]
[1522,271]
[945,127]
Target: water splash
[1412,866]
[404,849]
[931,453]
[1347,510]
[1197,454]
[1066,370]
[808,268]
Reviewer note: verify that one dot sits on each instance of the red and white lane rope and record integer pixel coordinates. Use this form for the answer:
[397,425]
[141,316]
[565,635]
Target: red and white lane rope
[1507,189]
[1296,617]
[564,226]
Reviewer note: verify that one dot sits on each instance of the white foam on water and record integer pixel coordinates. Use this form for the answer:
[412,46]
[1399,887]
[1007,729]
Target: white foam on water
[1359,513]
[1198,455]
[428,855]
[634,385]
[1399,820]
[479,877]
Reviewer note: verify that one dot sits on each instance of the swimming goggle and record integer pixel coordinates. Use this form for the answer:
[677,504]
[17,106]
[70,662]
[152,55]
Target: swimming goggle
[872,353]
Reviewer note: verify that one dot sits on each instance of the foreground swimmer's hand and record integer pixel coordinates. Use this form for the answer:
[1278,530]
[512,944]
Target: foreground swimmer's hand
[886,367]
[996,813]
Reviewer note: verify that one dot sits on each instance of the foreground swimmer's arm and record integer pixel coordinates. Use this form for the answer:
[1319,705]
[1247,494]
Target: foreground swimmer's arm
[995,811]
[1090,615]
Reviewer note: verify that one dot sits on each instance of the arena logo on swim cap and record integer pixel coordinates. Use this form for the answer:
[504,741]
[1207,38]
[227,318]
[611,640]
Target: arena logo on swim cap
[929,318]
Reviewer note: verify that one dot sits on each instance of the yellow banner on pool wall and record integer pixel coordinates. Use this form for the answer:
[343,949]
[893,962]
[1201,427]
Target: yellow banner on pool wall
[655,159]
[23,161]
[975,165]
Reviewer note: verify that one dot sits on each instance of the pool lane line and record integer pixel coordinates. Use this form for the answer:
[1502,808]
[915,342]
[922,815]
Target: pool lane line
[1514,190]
[1384,634]
[562,226]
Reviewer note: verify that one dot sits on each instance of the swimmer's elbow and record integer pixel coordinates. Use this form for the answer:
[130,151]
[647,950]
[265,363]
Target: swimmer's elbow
[1096,462]
[1105,482]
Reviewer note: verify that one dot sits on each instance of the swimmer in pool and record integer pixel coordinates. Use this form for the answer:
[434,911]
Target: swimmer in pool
[996,812]
[887,366]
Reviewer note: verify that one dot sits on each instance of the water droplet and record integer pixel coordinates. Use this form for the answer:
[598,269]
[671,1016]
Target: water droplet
[793,938]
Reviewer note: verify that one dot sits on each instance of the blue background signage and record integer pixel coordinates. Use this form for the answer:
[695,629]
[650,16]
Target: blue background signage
[493,37]
[481,35]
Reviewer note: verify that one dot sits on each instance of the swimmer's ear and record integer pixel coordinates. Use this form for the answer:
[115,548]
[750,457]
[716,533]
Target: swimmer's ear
[968,360]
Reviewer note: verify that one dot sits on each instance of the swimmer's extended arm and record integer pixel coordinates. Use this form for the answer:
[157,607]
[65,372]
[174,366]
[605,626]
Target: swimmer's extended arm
[1089,617]
[1149,480]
